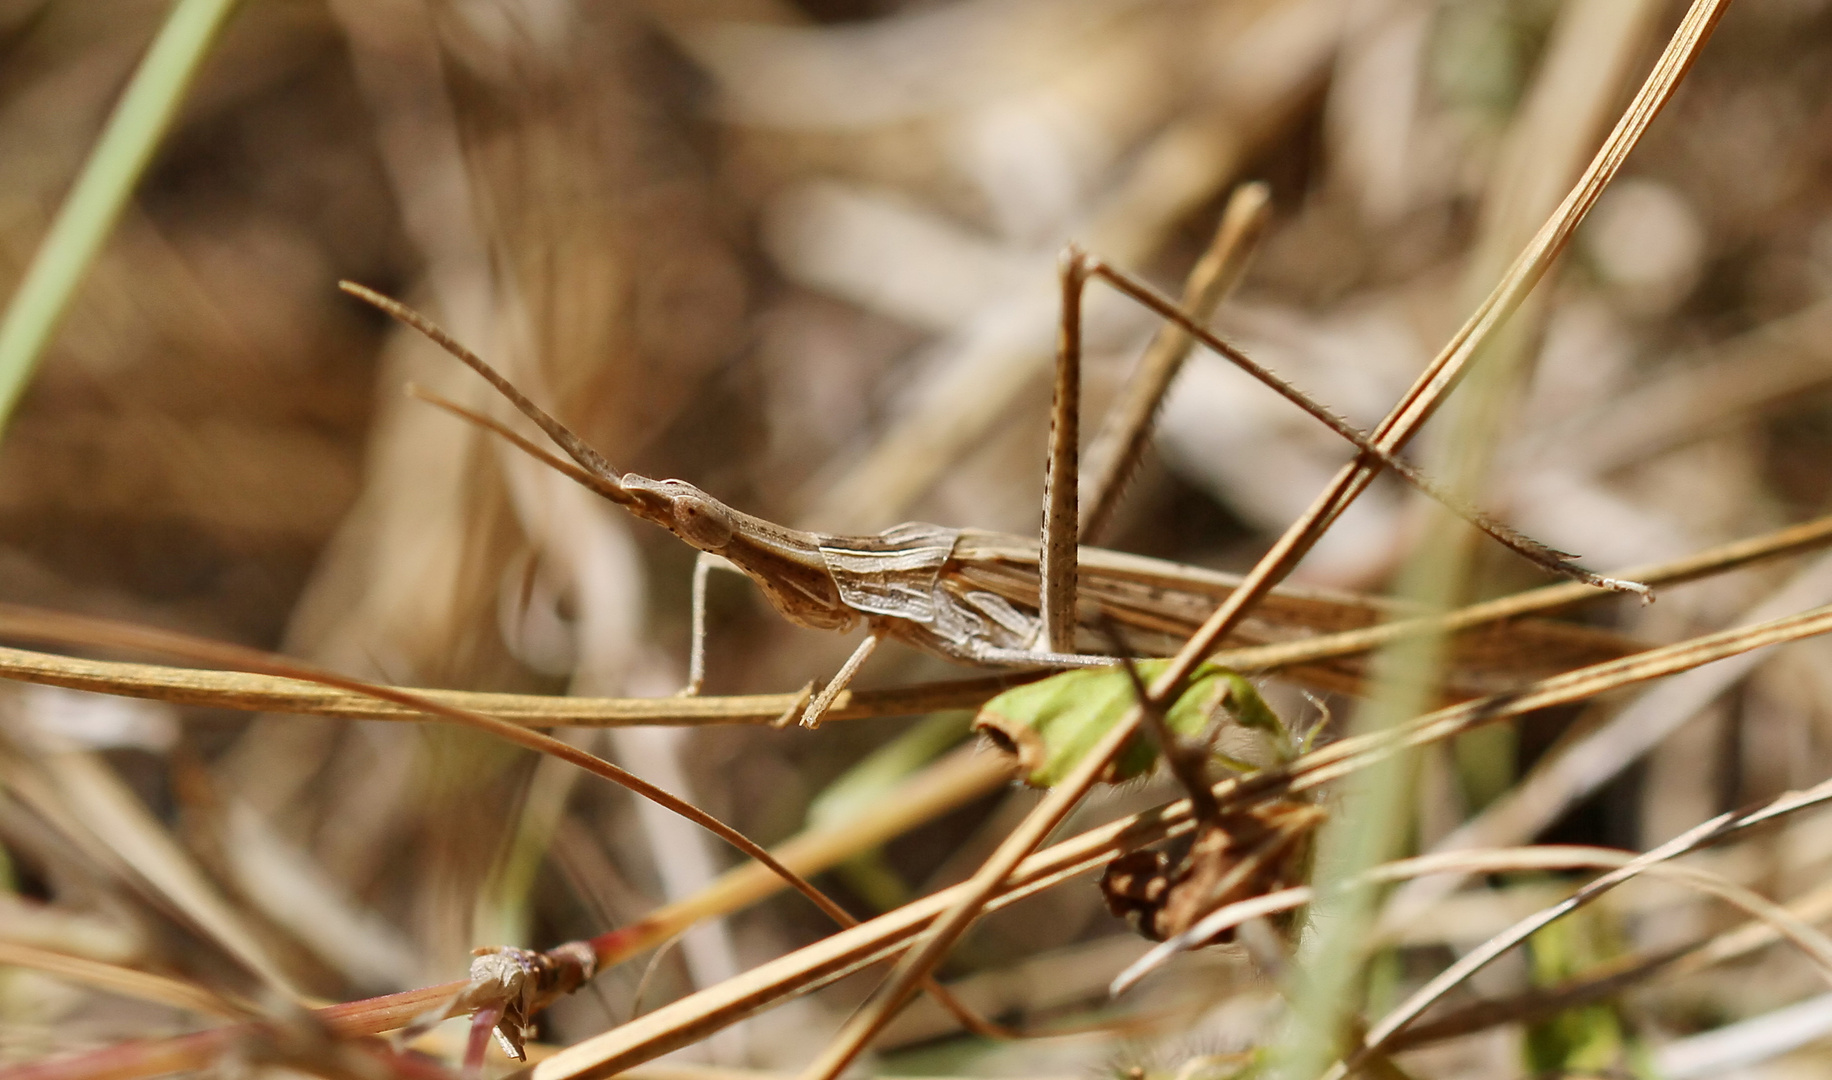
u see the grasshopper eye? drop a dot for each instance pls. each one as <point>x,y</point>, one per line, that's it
<point>702,522</point>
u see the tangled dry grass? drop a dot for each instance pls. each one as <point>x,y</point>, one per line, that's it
<point>804,255</point>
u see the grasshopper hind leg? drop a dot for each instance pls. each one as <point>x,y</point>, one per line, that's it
<point>1061,529</point>
<point>1069,518</point>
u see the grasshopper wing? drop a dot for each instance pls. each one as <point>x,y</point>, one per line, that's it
<point>1164,602</point>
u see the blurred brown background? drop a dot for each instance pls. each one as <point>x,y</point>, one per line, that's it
<point>802,254</point>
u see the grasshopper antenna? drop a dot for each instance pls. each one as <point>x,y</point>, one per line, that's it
<point>575,447</point>
<point>496,427</point>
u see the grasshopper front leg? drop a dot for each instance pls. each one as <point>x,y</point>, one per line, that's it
<point>704,565</point>
<point>817,703</point>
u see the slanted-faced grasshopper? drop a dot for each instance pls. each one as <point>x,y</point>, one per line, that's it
<point>977,597</point>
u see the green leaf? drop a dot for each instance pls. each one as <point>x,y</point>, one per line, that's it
<point>1051,724</point>
<point>883,769</point>
<point>867,783</point>
<point>114,168</point>
<point>1590,1038</point>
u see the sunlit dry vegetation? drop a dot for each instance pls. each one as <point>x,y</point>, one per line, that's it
<point>278,635</point>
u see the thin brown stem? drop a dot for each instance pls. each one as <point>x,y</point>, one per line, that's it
<point>60,628</point>
<point>259,692</point>
<point>692,1018</point>
<point>1117,448</point>
<point>1705,834</point>
<point>73,630</point>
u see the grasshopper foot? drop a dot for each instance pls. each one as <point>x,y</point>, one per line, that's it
<point>804,698</point>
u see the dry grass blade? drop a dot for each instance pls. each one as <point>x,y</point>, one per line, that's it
<point>975,895</point>
<point>1391,435</point>
<point>1119,445</point>
<point>682,1022</point>
<point>927,795</point>
<point>1709,832</point>
<point>124,981</point>
<point>1730,945</point>
<point>386,1015</point>
<point>101,803</point>
<point>686,1021</point>
<point>1341,758</point>
<point>1735,1048</point>
<point>1615,977</point>
<point>72,630</point>
<point>1428,393</point>
<point>691,1018</point>
<point>1376,814</point>
<point>1572,772</point>
<point>310,1050</point>
<point>1496,861</point>
<point>959,778</point>
<point>956,779</point>
<point>257,692</point>
<point>157,1057</point>
<point>75,630</point>
<point>669,1070</point>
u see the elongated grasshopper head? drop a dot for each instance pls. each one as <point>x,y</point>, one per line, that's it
<point>786,564</point>
<point>684,510</point>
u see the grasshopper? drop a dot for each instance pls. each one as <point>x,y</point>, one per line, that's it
<point>975,597</point>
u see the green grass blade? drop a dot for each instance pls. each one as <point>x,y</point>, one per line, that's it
<point>102,189</point>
